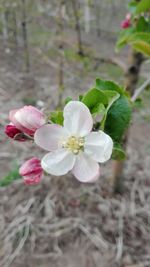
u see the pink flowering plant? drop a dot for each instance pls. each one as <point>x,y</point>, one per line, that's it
<point>86,133</point>
<point>136,27</point>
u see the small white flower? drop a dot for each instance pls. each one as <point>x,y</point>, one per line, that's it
<point>74,147</point>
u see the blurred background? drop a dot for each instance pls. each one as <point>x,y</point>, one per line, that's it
<point>50,50</point>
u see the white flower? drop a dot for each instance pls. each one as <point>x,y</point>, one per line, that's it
<point>74,147</point>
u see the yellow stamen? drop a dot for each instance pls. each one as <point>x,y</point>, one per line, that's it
<point>74,144</point>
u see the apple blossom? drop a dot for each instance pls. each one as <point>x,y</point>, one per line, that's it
<point>31,171</point>
<point>27,119</point>
<point>74,147</point>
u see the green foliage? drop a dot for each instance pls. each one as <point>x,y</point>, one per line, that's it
<point>10,177</point>
<point>112,102</point>
<point>101,98</point>
<point>56,117</point>
<point>118,152</point>
<point>143,25</point>
<point>98,109</point>
<point>142,47</point>
<point>118,118</point>
<point>118,111</point>
<point>132,6</point>
<point>93,97</point>
<point>136,7</point>
<point>67,100</point>
<point>124,37</point>
<point>140,41</point>
<point>109,85</point>
<point>138,103</point>
<point>142,6</point>
<point>137,35</point>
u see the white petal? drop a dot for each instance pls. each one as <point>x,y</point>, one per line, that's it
<point>49,136</point>
<point>58,162</point>
<point>77,119</point>
<point>98,145</point>
<point>86,170</point>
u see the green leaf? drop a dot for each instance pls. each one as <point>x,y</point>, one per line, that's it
<point>132,6</point>
<point>138,103</point>
<point>142,6</point>
<point>140,36</point>
<point>142,25</point>
<point>93,97</point>
<point>67,100</point>
<point>124,37</point>
<point>118,152</point>
<point>10,177</point>
<point>141,42</point>
<point>109,85</point>
<point>112,96</point>
<point>142,47</point>
<point>80,97</point>
<point>118,118</point>
<point>98,109</point>
<point>56,117</point>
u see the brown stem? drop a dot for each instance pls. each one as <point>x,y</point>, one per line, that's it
<point>97,16</point>
<point>131,78</point>
<point>61,59</point>
<point>15,32</point>
<point>25,36</point>
<point>75,7</point>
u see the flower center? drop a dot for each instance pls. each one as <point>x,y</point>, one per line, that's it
<point>74,144</point>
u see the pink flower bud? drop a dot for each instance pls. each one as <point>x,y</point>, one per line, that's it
<point>11,130</point>
<point>27,119</point>
<point>125,24</point>
<point>31,171</point>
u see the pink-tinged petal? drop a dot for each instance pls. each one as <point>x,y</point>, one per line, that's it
<point>27,119</point>
<point>86,170</point>
<point>32,179</point>
<point>17,124</point>
<point>128,16</point>
<point>12,113</point>
<point>31,171</point>
<point>30,117</point>
<point>58,162</point>
<point>98,146</point>
<point>125,24</point>
<point>11,131</point>
<point>49,136</point>
<point>77,119</point>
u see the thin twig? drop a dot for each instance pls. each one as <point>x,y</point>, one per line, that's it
<point>140,90</point>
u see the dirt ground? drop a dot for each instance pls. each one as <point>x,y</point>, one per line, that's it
<point>62,223</point>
